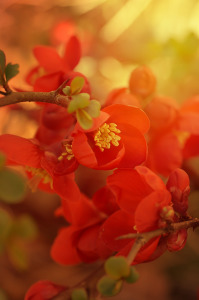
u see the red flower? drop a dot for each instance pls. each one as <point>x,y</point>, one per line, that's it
<point>42,166</point>
<point>145,205</point>
<point>44,290</point>
<point>115,140</point>
<point>53,69</point>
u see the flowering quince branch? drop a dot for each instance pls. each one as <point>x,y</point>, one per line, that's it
<point>142,238</point>
<point>136,216</point>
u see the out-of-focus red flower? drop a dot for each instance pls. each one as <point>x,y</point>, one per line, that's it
<point>40,165</point>
<point>115,140</point>
<point>44,290</point>
<point>122,96</point>
<point>145,205</point>
<point>53,69</point>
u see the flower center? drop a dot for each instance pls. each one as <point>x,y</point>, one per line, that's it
<point>38,175</point>
<point>106,135</point>
<point>68,152</point>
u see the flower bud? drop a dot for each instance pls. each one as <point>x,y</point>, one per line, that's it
<point>133,276</point>
<point>108,286</point>
<point>117,267</point>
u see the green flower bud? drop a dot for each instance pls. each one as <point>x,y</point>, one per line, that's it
<point>79,294</point>
<point>117,267</point>
<point>133,276</point>
<point>108,286</point>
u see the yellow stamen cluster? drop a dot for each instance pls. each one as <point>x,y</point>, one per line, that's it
<point>106,135</point>
<point>38,175</point>
<point>68,153</point>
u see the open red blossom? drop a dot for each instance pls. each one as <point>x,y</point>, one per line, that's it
<point>44,290</point>
<point>40,165</point>
<point>115,140</point>
<point>53,69</point>
<point>146,204</point>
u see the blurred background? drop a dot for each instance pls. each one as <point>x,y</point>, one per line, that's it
<point>116,36</point>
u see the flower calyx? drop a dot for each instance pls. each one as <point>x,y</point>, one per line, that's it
<point>81,104</point>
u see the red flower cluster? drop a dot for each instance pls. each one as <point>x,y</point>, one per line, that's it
<point>146,204</point>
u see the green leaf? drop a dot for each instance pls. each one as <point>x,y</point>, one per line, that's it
<point>12,186</point>
<point>18,254</point>
<point>108,286</point>
<point>76,85</point>
<point>79,294</point>
<point>84,119</point>
<point>11,71</point>
<point>94,108</point>
<point>25,227</point>
<point>3,295</point>
<point>117,267</point>
<point>2,61</point>
<point>78,102</point>
<point>133,276</point>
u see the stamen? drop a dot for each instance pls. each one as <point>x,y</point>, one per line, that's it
<point>38,175</point>
<point>68,153</point>
<point>106,135</point>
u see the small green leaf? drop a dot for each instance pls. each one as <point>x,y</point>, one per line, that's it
<point>117,267</point>
<point>66,90</point>
<point>12,186</point>
<point>84,119</point>
<point>79,294</point>
<point>108,286</point>
<point>76,85</point>
<point>133,276</point>
<point>25,227</point>
<point>11,71</point>
<point>78,102</point>
<point>94,108</point>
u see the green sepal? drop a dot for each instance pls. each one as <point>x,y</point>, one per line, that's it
<point>11,71</point>
<point>2,62</point>
<point>93,108</point>
<point>133,276</point>
<point>108,287</point>
<point>117,267</point>
<point>79,294</point>
<point>12,186</point>
<point>76,85</point>
<point>84,119</point>
<point>78,102</point>
<point>66,90</point>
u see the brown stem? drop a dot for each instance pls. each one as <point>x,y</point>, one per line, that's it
<point>142,238</point>
<point>48,97</point>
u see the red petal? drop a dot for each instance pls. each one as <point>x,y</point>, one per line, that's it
<point>81,213</point>
<point>154,181</point>
<point>191,147</point>
<point>122,96</point>
<point>189,121</point>
<point>48,83</point>
<point>66,187</point>
<point>147,214</point>
<point>131,115</point>
<point>177,240</point>
<point>64,249</point>
<point>118,224</point>
<point>44,290</point>
<point>165,153</point>
<point>105,201</point>
<point>48,58</point>
<point>129,187</point>
<point>72,53</point>
<point>135,146</point>
<point>20,151</point>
